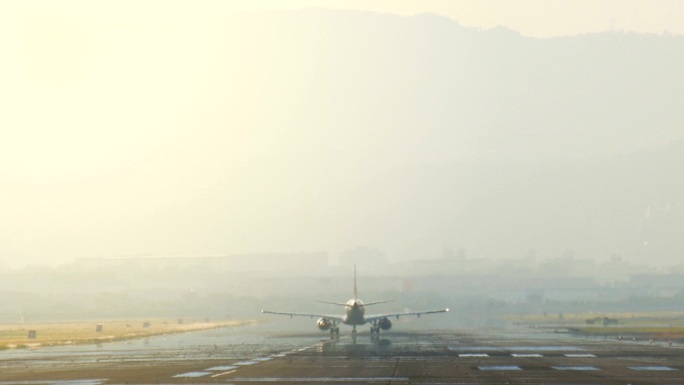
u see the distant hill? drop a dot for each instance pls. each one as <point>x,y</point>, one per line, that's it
<point>426,88</point>
<point>414,133</point>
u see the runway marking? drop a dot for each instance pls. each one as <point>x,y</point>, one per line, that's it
<point>543,348</point>
<point>56,382</point>
<point>219,368</point>
<point>663,368</point>
<point>473,348</point>
<point>473,355</point>
<point>192,374</point>
<point>515,348</point>
<point>579,355</point>
<point>500,367</point>
<point>525,355</point>
<point>322,379</point>
<point>574,368</point>
<point>328,365</point>
<point>223,374</point>
<point>262,359</point>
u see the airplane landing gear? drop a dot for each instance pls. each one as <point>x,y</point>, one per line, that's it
<point>375,330</point>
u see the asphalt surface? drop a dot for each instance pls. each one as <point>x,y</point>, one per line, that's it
<point>270,354</point>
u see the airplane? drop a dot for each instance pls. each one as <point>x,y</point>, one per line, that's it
<point>354,315</point>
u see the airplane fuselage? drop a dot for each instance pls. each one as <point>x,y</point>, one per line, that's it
<point>354,312</point>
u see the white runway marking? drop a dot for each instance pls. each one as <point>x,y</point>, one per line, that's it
<point>515,348</point>
<point>223,374</point>
<point>579,355</point>
<point>473,355</point>
<point>322,379</point>
<point>574,368</point>
<point>525,355</point>
<point>500,367</point>
<point>192,374</point>
<point>56,382</point>
<point>543,348</point>
<point>572,384</point>
<point>220,368</point>
<point>658,368</point>
<point>474,348</point>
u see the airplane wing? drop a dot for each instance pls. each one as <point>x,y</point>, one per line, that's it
<point>373,318</point>
<point>330,317</point>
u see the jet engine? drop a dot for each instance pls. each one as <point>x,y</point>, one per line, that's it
<point>385,324</point>
<point>324,324</point>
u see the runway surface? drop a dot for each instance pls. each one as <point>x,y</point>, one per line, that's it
<point>269,354</point>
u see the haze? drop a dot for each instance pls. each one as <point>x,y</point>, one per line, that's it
<point>412,128</point>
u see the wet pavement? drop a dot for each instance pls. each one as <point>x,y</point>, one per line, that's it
<point>269,353</point>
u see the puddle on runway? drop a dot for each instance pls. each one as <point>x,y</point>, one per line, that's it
<point>500,367</point>
<point>657,368</point>
<point>192,374</point>
<point>245,363</point>
<point>574,368</point>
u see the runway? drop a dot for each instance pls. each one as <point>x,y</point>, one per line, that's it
<point>269,354</point>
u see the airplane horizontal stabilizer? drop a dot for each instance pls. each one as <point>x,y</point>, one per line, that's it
<point>333,303</point>
<point>377,302</point>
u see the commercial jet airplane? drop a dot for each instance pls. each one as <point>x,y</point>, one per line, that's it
<point>354,315</point>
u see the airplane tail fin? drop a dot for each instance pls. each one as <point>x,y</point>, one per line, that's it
<point>356,296</point>
<point>355,292</point>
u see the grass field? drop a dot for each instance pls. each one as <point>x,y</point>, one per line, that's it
<point>16,336</point>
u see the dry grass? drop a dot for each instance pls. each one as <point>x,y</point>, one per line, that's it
<point>14,336</point>
<point>664,319</point>
<point>679,331</point>
<point>646,324</point>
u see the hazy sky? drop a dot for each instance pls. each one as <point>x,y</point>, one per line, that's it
<point>99,100</point>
